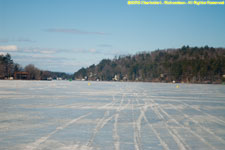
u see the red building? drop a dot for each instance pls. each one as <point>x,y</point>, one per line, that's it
<point>21,75</point>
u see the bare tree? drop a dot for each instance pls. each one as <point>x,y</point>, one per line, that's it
<point>33,72</point>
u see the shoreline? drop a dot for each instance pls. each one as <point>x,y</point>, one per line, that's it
<point>213,83</point>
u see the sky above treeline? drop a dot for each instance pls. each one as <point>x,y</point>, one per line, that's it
<point>65,35</point>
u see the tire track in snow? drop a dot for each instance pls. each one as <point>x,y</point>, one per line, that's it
<point>163,143</point>
<point>187,128</point>
<point>101,123</point>
<point>200,126</point>
<point>176,138</point>
<point>143,111</point>
<point>109,104</point>
<point>45,138</point>
<point>115,127</point>
<point>177,99</point>
<point>136,127</point>
<point>115,133</point>
<point>219,121</point>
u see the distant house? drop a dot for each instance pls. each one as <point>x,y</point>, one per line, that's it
<point>49,78</point>
<point>115,78</point>
<point>21,75</point>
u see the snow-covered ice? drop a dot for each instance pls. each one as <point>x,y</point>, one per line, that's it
<point>63,115</point>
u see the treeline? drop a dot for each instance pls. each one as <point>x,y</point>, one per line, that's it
<point>8,69</point>
<point>186,64</point>
<point>7,66</point>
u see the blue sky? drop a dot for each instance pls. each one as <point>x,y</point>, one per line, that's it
<point>65,35</point>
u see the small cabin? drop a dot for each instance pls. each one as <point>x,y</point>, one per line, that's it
<point>21,75</point>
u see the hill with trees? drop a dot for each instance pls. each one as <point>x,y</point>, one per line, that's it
<point>186,64</point>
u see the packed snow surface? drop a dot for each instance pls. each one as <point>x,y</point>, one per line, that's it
<point>63,115</point>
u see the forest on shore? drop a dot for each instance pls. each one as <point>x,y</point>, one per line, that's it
<point>8,69</point>
<point>185,64</point>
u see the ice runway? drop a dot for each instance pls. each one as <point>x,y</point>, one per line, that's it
<point>63,115</point>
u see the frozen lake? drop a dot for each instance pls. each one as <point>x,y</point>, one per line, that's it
<point>63,115</point>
